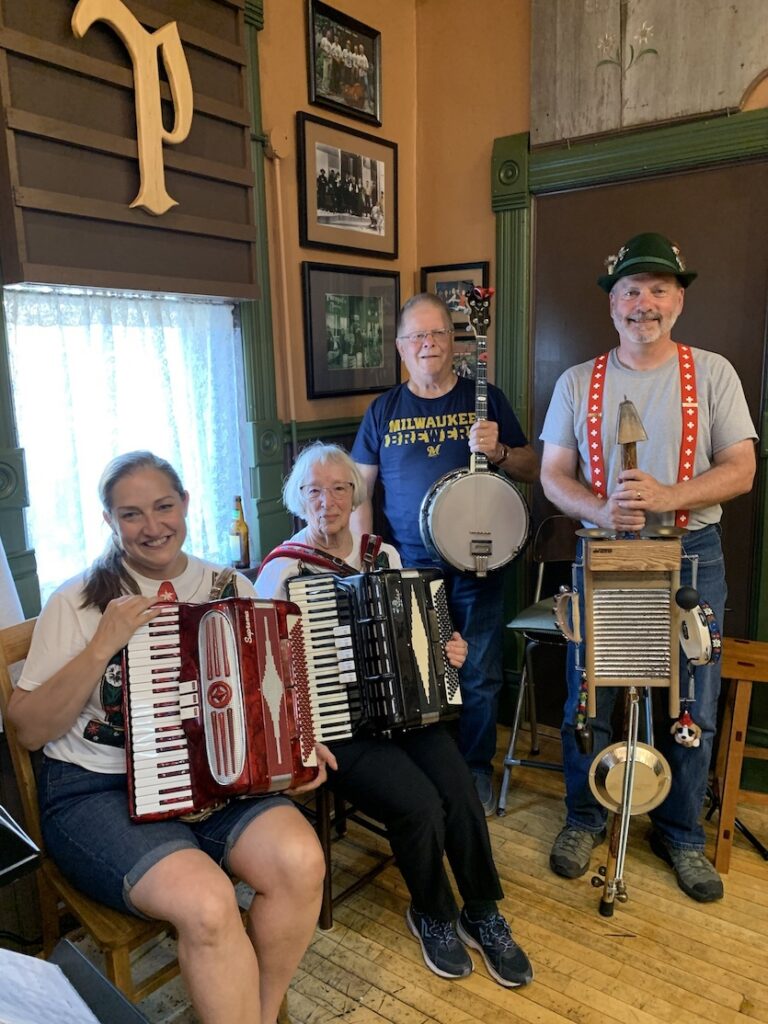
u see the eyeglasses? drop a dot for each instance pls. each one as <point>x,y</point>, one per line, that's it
<point>419,337</point>
<point>337,491</point>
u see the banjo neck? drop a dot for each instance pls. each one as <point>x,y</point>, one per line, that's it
<point>479,319</point>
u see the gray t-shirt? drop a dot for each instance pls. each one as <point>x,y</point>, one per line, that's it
<point>724,420</point>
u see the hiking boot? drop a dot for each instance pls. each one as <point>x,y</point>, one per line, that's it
<point>695,875</point>
<point>506,962</point>
<point>440,946</point>
<point>484,787</point>
<point>572,850</point>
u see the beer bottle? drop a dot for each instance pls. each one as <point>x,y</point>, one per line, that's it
<point>239,550</point>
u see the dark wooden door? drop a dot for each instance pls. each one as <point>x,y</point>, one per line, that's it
<point>718,218</point>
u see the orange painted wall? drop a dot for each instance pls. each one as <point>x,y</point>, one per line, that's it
<point>454,77</point>
<point>473,86</point>
<point>283,60</point>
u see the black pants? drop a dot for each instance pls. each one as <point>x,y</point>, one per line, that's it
<point>420,788</point>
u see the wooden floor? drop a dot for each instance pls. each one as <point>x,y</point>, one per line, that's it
<point>661,957</point>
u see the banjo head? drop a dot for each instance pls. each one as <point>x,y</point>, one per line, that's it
<point>465,507</point>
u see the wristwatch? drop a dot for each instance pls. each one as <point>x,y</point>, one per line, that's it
<point>502,457</point>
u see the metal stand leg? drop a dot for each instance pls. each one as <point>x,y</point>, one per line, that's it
<point>527,689</point>
<point>714,805</point>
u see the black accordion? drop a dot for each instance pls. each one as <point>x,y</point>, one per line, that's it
<point>375,644</point>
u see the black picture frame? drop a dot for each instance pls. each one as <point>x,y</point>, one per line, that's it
<point>449,281</point>
<point>344,75</point>
<point>350,315</point>
<point>347,188</point>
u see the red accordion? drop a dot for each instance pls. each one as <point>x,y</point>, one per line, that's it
<point>217,705</point>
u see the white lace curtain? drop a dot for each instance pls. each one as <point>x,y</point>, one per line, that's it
<point>95,375</point>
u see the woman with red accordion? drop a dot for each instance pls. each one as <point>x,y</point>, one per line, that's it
<point>415,782</point>
<point>69,701</point>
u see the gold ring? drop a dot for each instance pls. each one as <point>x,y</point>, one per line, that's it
<point>639,496</point>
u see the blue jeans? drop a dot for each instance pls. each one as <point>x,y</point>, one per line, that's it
<point>90,836</point>
<point>677,818</point>
<point>477,610</point>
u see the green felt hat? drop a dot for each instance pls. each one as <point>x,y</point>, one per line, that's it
<point>648,253</point>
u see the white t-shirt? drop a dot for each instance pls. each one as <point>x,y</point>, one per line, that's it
<point>272,579</point>
<point>97,739</point>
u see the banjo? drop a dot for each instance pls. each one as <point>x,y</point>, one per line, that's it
<point>474,519</point>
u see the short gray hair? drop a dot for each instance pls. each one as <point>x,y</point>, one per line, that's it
<point>320,453</point>
<point>423,299</point>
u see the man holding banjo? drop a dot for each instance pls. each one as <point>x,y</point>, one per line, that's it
<point>417,438</point>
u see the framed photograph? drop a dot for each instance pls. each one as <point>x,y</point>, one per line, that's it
<point>344,63</point>
<point>453,282</point>
<point>349,329</point>
<point>465,357</point>
<point>347,189</point>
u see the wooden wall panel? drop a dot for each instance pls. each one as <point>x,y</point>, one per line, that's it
<point>602,66</point>
<point>68,155</point>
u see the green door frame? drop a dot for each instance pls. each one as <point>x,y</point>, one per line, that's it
<point>519,174</point>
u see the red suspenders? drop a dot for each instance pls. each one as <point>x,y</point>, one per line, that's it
<point>690,424</point>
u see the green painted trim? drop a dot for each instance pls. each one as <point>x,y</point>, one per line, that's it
<point>270,524</point>
<point>254,14</point>
<point>8,435</point>
<point>14,495</point>
<point>509,173</point>
<point>327,429</point>
<point>512,345</point>
<point>256,316</point>
<point>641,153</point>
<point>637,154</point>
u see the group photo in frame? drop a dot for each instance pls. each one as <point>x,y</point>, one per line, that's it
<point>350,316</point>
<point>453,282</point>
<point>347,188</point>
<point>343,63</point>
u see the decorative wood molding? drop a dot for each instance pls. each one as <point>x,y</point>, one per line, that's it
<point>509,173</point>
<point>643,153</point>
<point>271,524</point>
<point>309,430</point>
<point>254,14</point>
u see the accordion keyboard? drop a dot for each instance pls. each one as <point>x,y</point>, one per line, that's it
<point>329,655</point>
<point>159,747</point>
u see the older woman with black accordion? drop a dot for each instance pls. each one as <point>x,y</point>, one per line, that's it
<point>415,781</point>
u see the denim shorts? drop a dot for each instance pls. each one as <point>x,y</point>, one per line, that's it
<point>89,835</point>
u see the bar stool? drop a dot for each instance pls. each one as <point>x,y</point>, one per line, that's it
<point>554,550</point>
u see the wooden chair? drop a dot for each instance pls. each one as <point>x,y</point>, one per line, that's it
<point>330,815</point>
<point>744,663</point>
<point>117,935</point>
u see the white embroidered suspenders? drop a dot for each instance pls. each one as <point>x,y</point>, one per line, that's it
<point>690,425</point>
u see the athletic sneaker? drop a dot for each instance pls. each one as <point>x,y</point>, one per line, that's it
<point>506,962</point>
<point>572,850</point>
<point>695,875</point>
<point>440,946</point>
<point>484,787</point>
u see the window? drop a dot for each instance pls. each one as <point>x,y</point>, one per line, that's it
<point>97,374</point>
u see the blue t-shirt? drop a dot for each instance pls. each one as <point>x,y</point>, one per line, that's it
<point>414,441</point>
